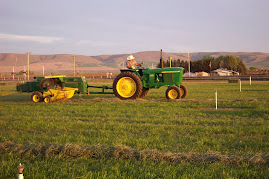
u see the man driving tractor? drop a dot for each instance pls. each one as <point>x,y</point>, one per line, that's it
<point>131,63</point>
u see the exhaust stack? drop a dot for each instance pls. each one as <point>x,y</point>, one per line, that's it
<point>161,59</point>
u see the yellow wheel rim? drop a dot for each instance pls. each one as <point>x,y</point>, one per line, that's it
<point>36,98</point>
<point>126,87</point>
<point>172,94</point>
<point>181,91</point>
<point>46,100</point>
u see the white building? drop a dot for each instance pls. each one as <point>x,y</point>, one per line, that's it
<point>202,73</point>
<point>187,74</point>
<point>224,72</point>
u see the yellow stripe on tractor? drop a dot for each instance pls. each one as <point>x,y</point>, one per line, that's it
<point>171,72</point>
<point>55,76</point>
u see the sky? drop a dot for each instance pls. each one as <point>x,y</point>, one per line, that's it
<point>99,27</point>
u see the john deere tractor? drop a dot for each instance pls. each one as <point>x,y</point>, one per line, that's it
<point>135,83</point>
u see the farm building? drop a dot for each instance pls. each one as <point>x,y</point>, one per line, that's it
<point>223,72</point>
<point>187,74</point>
<point>202,73</point>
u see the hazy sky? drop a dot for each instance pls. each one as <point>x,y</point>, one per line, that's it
<point>94,27</point>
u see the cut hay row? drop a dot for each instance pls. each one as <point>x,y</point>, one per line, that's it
<point>125,152</point>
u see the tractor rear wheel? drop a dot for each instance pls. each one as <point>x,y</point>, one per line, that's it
<point>127,85</point>
<point>183,91</point>
<point>144,92</point>
<point>173,92</point>
<point>37,97</point>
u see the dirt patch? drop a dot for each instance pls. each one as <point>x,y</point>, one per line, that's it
<point>125,152</point>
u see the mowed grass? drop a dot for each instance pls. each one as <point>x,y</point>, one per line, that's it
<point>85,168</point>
<point>239,127</point>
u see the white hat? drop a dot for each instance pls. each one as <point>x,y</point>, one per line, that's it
<point>130,57</point>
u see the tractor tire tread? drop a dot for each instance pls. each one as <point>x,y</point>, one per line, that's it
<point>137,80</point>
<point>175,88</point>
<point>40,95</point>
<point>144,93</point>
<point>185,91</point>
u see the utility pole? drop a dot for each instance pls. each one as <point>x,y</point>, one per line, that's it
<point>189,64</point>
<point>13,72</point>
<point>74,65</point>
<point>15,63</point>
<point>24,72</point>
<point>161,59</point>
<point>43,71</point>
<point>170,61</point>
<point>28,66</point>
<point>210,68</point>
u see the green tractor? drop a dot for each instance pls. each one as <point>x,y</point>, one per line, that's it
<point>135,83</point>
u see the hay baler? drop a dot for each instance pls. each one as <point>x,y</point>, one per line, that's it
<point>52,88</point>
<point>135,83</point>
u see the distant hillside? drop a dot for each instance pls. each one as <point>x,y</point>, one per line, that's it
<point>255,59</point>
<point>59,64</point>
<point>64,63</point>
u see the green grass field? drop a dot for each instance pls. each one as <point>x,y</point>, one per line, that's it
<point>100,136</point>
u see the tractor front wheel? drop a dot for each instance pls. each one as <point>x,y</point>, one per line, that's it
<point>37,97</point>
<point>173,92</point>
<point>127,85</point>
<point>183,91</point>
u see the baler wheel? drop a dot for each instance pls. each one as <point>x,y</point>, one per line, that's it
<point>37,97</point>
<point>183,91</point>
<point>47,99</point>
<point>144,92</point>
<point>127,85</point>
<point>47,83</point>
<point>173,92</point>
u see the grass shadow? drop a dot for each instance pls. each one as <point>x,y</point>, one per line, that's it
<point>16,98</point>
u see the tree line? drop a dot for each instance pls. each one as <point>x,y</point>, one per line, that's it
<point>209,63</point>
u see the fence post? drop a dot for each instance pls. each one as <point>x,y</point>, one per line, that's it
<point>216,98</point>
<point>240,85</point>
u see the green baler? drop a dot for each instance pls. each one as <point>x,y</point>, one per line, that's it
<point>52,88</point>
<point>44,82</point>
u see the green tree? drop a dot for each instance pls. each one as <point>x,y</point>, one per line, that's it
<point>252,68</point>
<point>241,68</point>
<point>229,61</point>
<point>214,64</point>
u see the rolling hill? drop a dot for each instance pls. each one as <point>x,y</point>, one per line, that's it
<point>64,63</point>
